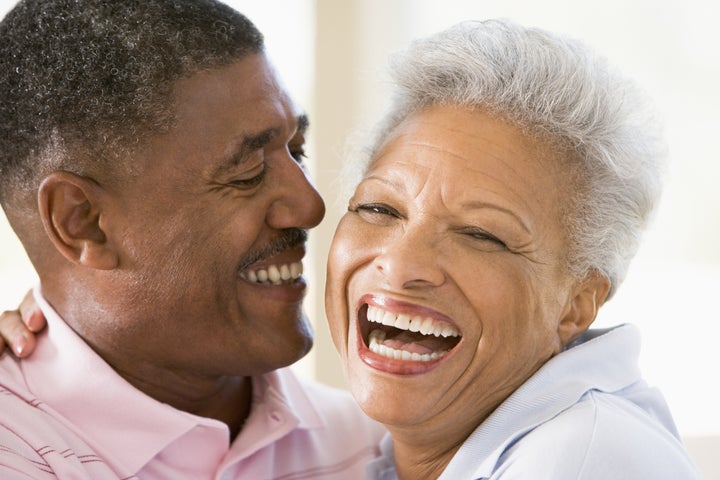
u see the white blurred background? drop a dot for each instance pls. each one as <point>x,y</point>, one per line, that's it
<point>332,55</point>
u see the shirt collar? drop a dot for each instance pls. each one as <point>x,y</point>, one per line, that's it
<point>280,405</point>
<point>600,360</point>
<point>285,391</point>
<point>100,406</point>
<point>603,360</point>
<point>383,467</point>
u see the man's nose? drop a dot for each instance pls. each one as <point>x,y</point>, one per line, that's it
<point>411,260</point>
<point>298,204</point>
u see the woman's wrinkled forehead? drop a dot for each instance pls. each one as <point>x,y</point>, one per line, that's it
<point>446,133</point>
<point>452,160</point>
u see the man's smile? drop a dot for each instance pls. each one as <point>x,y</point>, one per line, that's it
<point>274,274</point>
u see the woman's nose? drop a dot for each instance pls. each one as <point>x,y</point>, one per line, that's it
<point>298,204</point>
<point>411,260</point>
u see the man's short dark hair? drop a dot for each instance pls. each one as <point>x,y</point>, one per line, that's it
<point>94,77</point>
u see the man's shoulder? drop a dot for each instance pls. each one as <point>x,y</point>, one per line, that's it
<point>34,444</point>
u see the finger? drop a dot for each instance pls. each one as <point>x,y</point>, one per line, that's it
<point>31,313</point>
<point>15,333</point>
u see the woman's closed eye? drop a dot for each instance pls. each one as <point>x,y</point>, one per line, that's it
<point>480,235</point>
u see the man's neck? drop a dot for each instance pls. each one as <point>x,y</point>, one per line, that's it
<point>227,399</point>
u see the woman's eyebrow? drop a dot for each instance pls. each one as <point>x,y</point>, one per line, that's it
<point>479,205</point>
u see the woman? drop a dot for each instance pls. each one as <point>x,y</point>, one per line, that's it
<point>497,211</point>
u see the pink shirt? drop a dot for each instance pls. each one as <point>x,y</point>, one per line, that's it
<point>64,413</point>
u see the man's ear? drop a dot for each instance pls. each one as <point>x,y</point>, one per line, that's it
<point>588,295</point>
<point>71,209</point>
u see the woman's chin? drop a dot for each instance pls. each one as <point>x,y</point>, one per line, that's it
<point>391,413</point>
<point>405,401</point>
<point>399,387</point>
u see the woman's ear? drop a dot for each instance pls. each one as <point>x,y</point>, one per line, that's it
<point>71,207</point>
<point>588,295</point>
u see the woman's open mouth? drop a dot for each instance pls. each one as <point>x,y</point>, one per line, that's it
<point>403,338</point>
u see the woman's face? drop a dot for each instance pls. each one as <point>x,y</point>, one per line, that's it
<point>446,287</point>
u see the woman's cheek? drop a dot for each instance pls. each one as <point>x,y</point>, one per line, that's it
<point>338,275</point>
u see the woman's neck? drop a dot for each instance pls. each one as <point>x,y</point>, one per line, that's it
<point>423,452</point>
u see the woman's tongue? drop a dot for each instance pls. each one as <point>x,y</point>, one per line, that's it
<point>415,343</point>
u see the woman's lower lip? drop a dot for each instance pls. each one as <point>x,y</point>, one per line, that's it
<point>397,367</point>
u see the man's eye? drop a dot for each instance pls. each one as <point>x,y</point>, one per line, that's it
<point>249,183</point>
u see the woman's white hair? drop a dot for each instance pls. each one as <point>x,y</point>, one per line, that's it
<point>557,89</point>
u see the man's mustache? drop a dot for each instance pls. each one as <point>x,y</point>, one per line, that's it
<point>288,238</point>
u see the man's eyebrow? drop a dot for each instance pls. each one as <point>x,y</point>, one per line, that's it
<point>255,142</point>
<point>251,143</point>
<point>248,144</point>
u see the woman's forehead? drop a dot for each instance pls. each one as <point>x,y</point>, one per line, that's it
<point>448,141</point>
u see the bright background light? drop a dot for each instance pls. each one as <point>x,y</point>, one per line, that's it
<point>332,55</point>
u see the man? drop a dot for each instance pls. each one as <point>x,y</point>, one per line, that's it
<point>151,165</point>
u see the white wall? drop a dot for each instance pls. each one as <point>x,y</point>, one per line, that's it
<point>16,274</point>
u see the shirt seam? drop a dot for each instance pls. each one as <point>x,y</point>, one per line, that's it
<point>593,434</point>
<point>333,468</point>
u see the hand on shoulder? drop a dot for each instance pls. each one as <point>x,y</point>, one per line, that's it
<point>18,328</point>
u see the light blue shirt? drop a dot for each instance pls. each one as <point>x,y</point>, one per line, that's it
<point>585,415</point>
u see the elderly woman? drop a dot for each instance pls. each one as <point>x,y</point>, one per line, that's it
<point>497,211</point>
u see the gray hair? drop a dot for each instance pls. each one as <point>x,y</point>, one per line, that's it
<point>557,89</point>
<point>96,77</point>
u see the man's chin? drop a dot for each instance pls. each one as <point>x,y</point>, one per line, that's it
<point>290,350</point>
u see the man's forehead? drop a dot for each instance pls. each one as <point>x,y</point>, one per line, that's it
<point>245,93</point>
<point>248,80</point>
<point>260,134</point>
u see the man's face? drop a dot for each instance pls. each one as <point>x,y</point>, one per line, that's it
<point>217,203</point>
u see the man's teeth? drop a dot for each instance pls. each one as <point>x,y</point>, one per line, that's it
<point>376,345</point>
<point>274,274</point>
<point>417,323</point>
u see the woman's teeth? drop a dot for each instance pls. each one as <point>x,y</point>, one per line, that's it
<point>375,345</point>
<point>419,326</point>
<point>274,274</point>
<point>424,325</point>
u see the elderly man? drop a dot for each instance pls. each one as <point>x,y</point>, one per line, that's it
<point>151,165</point>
